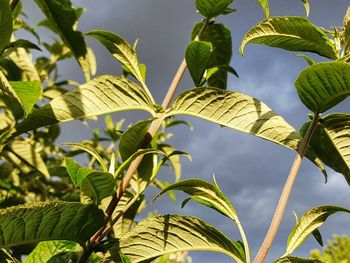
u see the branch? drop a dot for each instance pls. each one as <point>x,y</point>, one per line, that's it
<point>14,4</point>
<point>282,203</point>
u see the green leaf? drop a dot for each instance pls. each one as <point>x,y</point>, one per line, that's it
<point>212,8</point>
<point>197,59</point>
<point>156,236</point>
<point>28,153</point>
<point>140,152</point>
<point>220,38</point>
<point>322,86</point>
<point>291,259</point>
<point>97,186</point>
<point>265,7</point>
<point>291,33</point>
<point>310,221</point>
<point>205,193</point>
<point>53,220</point>
<point>121,50</point>
<point>89,149</point>
<point>77,172</point>
<point>6,24</point>
<point>132,138</point>
<point>309,60</point>
<point>20,43</point>
<point>45,250</point>
<point>237,111</point>
<point>102,95</point>
<point>331,142</point>
<point>63,18</point>
<point>28,93</point>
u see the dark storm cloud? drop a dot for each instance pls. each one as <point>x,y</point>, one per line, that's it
<point>250,171</point>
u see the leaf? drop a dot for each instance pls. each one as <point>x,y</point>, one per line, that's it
<point>45,250</point>
<point>310,221</point>
<point>306,6</point>
<point>55,220</point>
<point>322,86</point>
<point>237,111</point>
<point>6,257</point>
<point>291,259</point>
<point>6,24</point>
<point>24,61</point>
<point>331,142</point>
<point>212,8</point>
<point>291,33</point>
<point>132,139</point>
<point>204,193</point>
<point>220,38</point>
<point>20,43</point>
<point>28,93</point>
<point>309,60</point>
<point>346,31</point>
<point>28,153</point>
<point>104,94</point>
<point>265,7</point>
<point>121,50</point>
<point>76,172</point>
<point>317,235</point>
<point>197,59</point>
<point>97,186</point>
<point>63,18</point>
<point>156,236</point>
<point>89,149</point>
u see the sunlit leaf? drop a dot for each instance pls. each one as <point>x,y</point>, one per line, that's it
<point>265,7</point>
<point>55,220</point>
<point>28,153</point>
<point>104,94</point>
<point>331,142</point>
<point>156,236</point>
<point>291,259</point>
<point>220,38</point>
<point>121,50</point>
<point>238,111</point>
<point>324,85</point>
<point>77,172</point>
<point>45,250</point>
<point>291,33</point>
<point>310,221</point>
<point>306,6</point>
<point>346,28</point>
<point>5,23</point>
<point>63,18</point>
<point>309,60</point>
<point>205,193</point>
<point>91,150</point>
<point>24,61</point>
<point>28,93</point>
<point>197,59</point>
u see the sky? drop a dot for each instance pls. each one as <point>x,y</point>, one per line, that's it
<point>249,170</point>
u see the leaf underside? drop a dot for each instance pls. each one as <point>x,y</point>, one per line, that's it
<point>291,33</point>
<point>161,235</point>
<point>102,95</point>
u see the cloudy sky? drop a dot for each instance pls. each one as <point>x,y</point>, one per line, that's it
<point>250,171</point>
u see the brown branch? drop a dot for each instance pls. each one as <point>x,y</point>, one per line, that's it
<point>282,203</point>
<point>14,4</point>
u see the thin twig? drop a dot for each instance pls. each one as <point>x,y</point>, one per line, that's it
<point>14,4</point>
<point>282,203</point>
